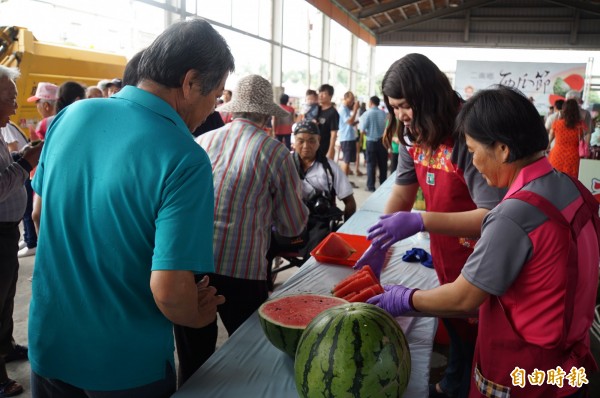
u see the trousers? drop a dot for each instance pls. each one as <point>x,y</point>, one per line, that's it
<point>9,273</point>
<point>242,298</point>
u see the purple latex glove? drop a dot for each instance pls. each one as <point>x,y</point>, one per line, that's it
<point>396,300</point>
<point>373,257</point>
<point>392,228</point>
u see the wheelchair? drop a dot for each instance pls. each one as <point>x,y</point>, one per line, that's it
<point>296,250</point>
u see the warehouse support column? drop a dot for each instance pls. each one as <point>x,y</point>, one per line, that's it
<point>277,47</point>
<point>325,50</point>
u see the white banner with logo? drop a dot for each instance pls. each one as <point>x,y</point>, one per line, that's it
<point>589,175</point>
<point>544,83</point>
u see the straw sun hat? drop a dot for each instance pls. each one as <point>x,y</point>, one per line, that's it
<point>254,94</point>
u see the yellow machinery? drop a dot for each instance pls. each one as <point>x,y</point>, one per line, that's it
<point>46,62</point>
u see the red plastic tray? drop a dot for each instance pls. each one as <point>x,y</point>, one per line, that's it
<point>358,242</point>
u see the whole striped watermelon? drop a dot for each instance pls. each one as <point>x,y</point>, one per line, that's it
<point>352,350</point>
<point>284,319</point>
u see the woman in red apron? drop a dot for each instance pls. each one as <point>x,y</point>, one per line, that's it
<point>457,198</point>
<point>533,273</point>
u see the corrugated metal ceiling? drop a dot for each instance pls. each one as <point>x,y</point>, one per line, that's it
<point>540,24</point>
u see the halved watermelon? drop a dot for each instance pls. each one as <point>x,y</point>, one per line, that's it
<point>284,319</point>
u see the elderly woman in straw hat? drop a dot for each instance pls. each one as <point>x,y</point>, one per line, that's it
<point>256,188</point>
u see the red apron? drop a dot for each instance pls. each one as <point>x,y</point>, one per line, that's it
<point>500,348</point>
<point>445,190</point>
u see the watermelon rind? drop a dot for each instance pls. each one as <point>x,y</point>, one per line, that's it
<point>353,350</point>
<point>284,336</point>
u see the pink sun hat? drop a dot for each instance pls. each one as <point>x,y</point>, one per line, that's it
<point>45,91</point>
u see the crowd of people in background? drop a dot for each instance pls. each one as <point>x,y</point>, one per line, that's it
<point>174,223</point>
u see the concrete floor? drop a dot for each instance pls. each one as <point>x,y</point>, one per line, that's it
<point>20,370</point>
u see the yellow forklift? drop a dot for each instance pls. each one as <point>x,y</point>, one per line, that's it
<point>54,63</point>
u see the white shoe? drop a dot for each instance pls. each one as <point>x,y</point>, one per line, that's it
<point>26,252</point>
<point>22,244</point>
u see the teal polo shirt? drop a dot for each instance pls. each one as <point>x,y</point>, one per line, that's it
<point>125,191</point>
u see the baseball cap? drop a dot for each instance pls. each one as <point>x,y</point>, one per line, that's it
<point>306,126</point>
<point>115,82</point>
<point>45,91</point>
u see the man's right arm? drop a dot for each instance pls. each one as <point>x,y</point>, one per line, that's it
<point>332,142</point>
<point>182,301</point>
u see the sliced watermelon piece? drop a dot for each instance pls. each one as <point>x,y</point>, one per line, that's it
<point>359,286</point>
<point>351,277</point>
<point>335,247</point>
<point>356,285</point>
<point>366,294</point>
<point>349,296</point>
<point>575,81</point>
<point>284,319</point>
<point>367,268</point>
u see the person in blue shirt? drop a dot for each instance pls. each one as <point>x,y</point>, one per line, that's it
<point>347,130</point>
<point>126,205</point>
<point>373,125</point>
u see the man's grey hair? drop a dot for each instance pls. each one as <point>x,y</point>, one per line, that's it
<point>10,73</point>
<point>573,94</point>
<point>183,46</point>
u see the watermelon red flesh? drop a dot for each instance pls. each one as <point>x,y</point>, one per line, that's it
<point>575,81</point>
<point>356,285</point>
<point>363,284</point>
<point>366,270</point>
<point>284,319</point>
<point>365,294</point>
<point>353,350</point>
<point>335,247</point>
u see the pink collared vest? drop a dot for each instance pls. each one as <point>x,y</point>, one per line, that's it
<point>509,337</point>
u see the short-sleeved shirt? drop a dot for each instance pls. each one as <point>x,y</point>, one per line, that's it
<point>256,186</point>
<point>329,120</point>
<point>130,196</point>
<point>523,257</point>
<point>283,125</point>
<point>43,126</point>
<point>480,192</point>
<point>11,133</point>
<point>346,132</point>
<point>316,177</point>
<point>13,197</point>
<point>373,123</point>
<point>551,119</point>
<point>505,246</point>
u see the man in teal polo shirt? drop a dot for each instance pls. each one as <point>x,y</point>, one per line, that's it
<point>126,203</point>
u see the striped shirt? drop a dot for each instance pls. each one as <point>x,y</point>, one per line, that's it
<point>13,197</point>
<point>257,187</point>
<point>372,123</point>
